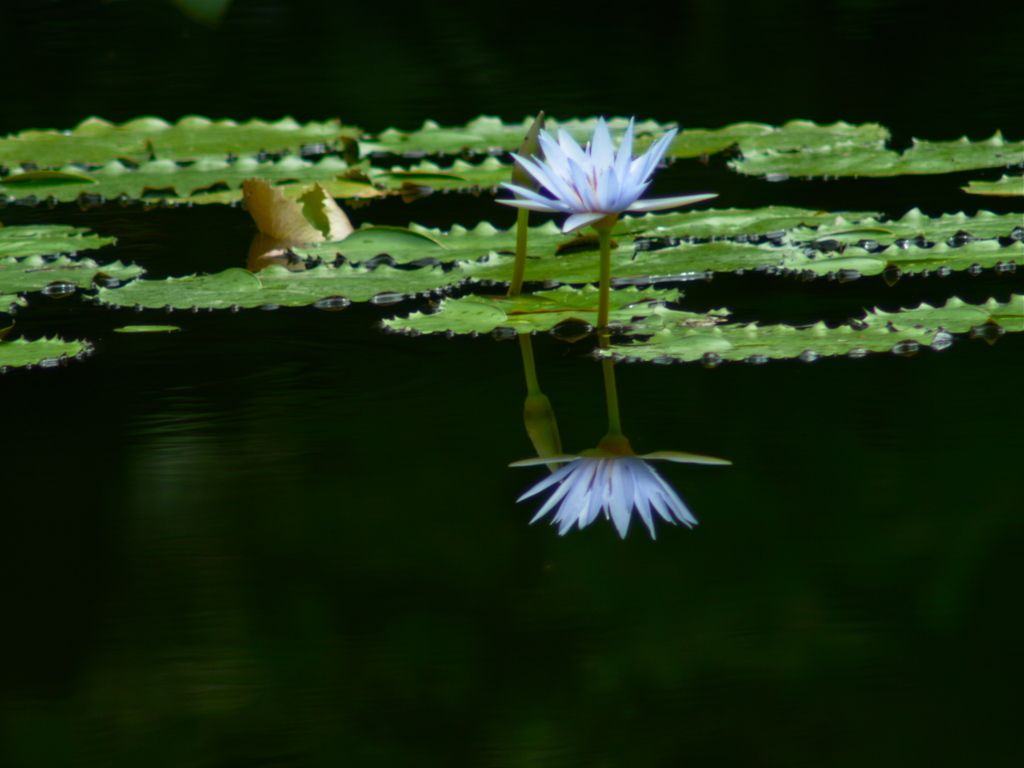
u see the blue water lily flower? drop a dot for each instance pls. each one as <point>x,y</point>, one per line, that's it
<point>613,483</point>
<point>593,183</point>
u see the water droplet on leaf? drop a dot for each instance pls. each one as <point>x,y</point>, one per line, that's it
<point>906,348</point>
<point>387,298</point>
<point>990,332</point>
<point>58,289</point>
<point>332,303</point>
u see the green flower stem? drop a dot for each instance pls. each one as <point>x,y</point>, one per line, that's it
<point>529,367</point>
<point>611,394</point>
<point>519,270</point>
<point>604,233</point>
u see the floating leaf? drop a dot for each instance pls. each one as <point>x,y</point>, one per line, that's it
<point>204,181</point>
<point>547,239</point>
<point>406,245</point>
<point>96,141</point>
<point>147,329</point>
<point>540,311</point>
<point>48,240</point>
<point>45,352</point>
<point>278,286</point>
<point>460,176</point>
<point>34,273</point>
<point>983,253</point>
<point>734,221</point>
<point>9,303</point>
<point>1007,186</point>
<point>854,159</point>
<point>669,336</point>
<point>487,134</point>
<point>951,228</point>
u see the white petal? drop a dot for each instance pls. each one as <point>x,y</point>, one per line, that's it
<point>534,197</point>
<point>660,203</point>
<point>571,149</point>
<point>602,154</point>
<point>552,181</point>
<point>653,156</point>
<point>596,500</point>
<point>679,509</point>
<point>553,154</point>
<point>637,495</point>
<point>546,482</point>
<point>531,206</point>
<point>608,194</point>
<point>543,460</point>
<point>582,187</point>
<point>578,220</point>
<point>553,500</point>
<point>580,486</point>
<point>625,156</point>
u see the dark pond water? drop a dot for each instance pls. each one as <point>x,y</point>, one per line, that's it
<point>288,539</point>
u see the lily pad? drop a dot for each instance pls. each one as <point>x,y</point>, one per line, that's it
<point>547,240</point>
<point>540,311</point>
<point>96,141</point>
<point>63,274</point>
<point>487,135</point>
<point>857,159</point>
<point>669,336</point>
<point>204,181</point>
<point>951,228</point>
<point>147,329</point>
<point>10,302</point>
<point>48,240</point>
<point>45,352</point>
<point>406,245</point>
<point>278,286</point>
<point>981,253</point>
<point>1007,186</point>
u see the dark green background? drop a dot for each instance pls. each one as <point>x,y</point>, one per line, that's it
<point>287,539</point>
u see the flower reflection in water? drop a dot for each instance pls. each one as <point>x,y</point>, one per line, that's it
<point>613,480</point>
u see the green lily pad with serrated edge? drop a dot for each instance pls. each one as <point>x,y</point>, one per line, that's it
<point>276,285</point>
<point>402,244</point>
<point>955,316</point>
<point>460,176</point>
<point>730,222</point>
<point>984,225</point>
<point>96,141</point>
<point>21,352</point>
<point>666,336</point>
<point>33,273</point>
<point>48,240</point>
<point>10,302</point>
<point>461,244</point>
<point>200,182</point>
<point>807,135</point>
<point>681,261</point>
<point>924,157</point>
<point>539,311</point>
<point>984,253</point>
<point>489,134</point>
<point>406,245</point>
<point>1007,186</point>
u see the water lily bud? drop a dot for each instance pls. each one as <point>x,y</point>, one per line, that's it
<point>541,426</point>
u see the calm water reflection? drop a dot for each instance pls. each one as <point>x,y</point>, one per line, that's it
<point>288,539</point>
